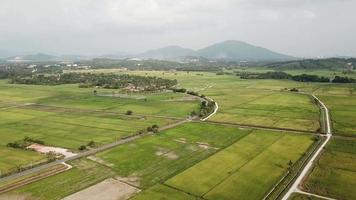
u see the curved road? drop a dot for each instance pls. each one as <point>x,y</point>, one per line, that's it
<point>302,175</point>
<point>215,109</point>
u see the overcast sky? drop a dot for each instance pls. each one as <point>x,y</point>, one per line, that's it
<point>306,28</point>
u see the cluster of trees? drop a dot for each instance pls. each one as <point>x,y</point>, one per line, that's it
<point>90,144</point>
<point>111,81</point>
<point>340,79</point>
<point>206,108</point>
<point>328,63</point>
<point>181,90</point>
<point>153,128</point>
<point>300,78</point>
<point>24,143</point>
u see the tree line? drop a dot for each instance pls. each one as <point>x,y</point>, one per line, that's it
<point>300,78</point>
<point>110,81</point>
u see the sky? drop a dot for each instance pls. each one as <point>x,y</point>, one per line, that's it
<point>303,28</point>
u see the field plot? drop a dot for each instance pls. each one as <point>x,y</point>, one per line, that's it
<point>245,170</point>
<point>12,159</point>
<point>70,96</point>
<point>253,102</point>
<point>83,174</point>
<point>163,192</point>
<point>335,173</point>
<point>69,117</point>
<point>109,189</point>
<point>70,129</point>
<point>297,196</point>
<point>341,101</point>
<point>265,108</point>
<point>153,159</point>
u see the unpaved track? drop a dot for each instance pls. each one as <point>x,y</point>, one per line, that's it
<point>308,166</point>
<point>213,113</point>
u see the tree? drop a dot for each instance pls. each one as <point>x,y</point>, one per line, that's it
<point>91,144</point>
<point>51,156</point>
<point>82,148</point>
<point>95,92</point>
<point>290,163</point>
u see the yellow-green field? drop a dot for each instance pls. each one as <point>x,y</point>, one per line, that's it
<point>334,174</point>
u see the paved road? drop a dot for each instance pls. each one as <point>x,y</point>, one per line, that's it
<point>87,153</point>
<point>308,166</point>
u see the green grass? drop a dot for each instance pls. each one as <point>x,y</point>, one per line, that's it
<point>70,129</point>
<point>162,192</point>
<point>68,116</point>
<point>245,170</point>
<point>252,102</point>
<point>342,105</point>
<point>335,173</point>
<point>83,174</point>
<point>155,158</point>
<point>11,159</point>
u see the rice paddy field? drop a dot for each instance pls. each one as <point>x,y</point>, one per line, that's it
<point>67,116</point>
<point>216,159</point>
<point>252,102</point>
<point>83,174</point>
<point>155,158</point>
<point>334,175</point>
<point>341,100</point>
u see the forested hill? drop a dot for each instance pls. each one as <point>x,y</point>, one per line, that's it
<point>329,63</point>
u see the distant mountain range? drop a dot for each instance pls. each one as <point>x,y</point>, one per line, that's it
<point>230,50</point>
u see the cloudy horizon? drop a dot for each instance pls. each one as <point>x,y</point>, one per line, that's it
<point>302,28</point>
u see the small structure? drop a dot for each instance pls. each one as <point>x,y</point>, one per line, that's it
<point>349,67</point>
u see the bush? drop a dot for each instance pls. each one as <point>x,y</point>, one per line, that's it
<point>294,90</point>
<point>129,112</point>
<point>91,144</point>
<point>193,93</point>
<point>82,148</point>
<point>182,90</point>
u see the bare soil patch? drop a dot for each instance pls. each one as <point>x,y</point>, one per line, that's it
<point>205,145</point>
<point>46,149</point>
<point>167,154</point>
<point>14,197</point>
<point>109,189</point>
<point>181,140</point>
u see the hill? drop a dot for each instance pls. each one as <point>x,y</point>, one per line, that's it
<point>232,50</point>
<point>328,63</point>
<point>167,53</point>
<point>33,57</point>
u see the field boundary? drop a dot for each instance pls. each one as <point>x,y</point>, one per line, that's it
<point>261,127</point>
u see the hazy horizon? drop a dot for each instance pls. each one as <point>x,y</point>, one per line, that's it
<point>301,28</point>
